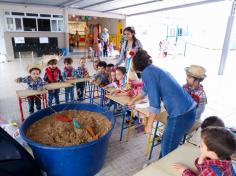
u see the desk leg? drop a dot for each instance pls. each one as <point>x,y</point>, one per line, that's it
<point>153,141</point>
<point>43,99</point>
<point>123,121</point>
<point>21,109</point>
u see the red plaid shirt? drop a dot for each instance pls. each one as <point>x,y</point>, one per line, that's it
<point>205,170</point>
<point>198,94</point>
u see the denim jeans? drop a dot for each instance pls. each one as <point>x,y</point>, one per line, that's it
<point>176,128</point>
<point>69,94</point>
<point>53,94</point>
<point>34,100</point>
<point>80,91</point>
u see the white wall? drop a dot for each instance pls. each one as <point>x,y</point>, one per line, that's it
<point>2,43</point>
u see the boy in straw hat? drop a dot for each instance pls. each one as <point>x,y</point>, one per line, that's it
<point>195,75</point>
<point>52,75</point>
<point>34,82</point>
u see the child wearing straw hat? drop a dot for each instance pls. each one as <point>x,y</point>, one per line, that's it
<point>34,82</point>
<point>52,75</point>
<point>195,75</point>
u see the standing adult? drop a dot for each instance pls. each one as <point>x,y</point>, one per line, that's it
<point>105,41</point>
<point>130,42</point>
<point>161,86</point>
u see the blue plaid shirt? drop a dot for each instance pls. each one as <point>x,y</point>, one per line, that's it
<point>32,85</point>
<point>159,85</point>
<point>81,72</point>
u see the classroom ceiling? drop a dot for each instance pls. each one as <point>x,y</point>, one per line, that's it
<point>124,7</point>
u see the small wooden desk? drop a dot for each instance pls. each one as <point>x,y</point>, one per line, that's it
<point>24,94</point>
<point>79,80</point>
<point>58,85</point>
<point>186,154</point>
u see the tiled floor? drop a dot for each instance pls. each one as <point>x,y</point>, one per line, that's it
<point>127,158</point>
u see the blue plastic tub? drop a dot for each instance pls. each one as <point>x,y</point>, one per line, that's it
<point>81,160</point>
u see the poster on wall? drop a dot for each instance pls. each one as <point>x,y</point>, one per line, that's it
<point>19,40</point>
<point>43,40</point>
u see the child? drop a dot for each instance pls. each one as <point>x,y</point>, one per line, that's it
<point>101,78</point>
<point>52,75</point>
<point>112,76</point>
<point>212,121</point>
<point>81,72</point>
<point>94,71</point>
<point>68,74</point>
<point>110,48</point>
<point>217,146</point>
<point>34,83</point>
<point>195,75</point>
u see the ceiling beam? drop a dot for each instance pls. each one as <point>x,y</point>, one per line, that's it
<point>94,4</point>
<point>70,3</point>
<point>133,5</point>
<point>175,7</point>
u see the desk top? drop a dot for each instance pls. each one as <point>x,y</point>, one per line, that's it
<point>26,93</point>
<point>79,80</point>
<point>121,99</point>
<point>58,85</point>
<point>185,154</point>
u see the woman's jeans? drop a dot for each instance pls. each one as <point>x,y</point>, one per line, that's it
<point>176,128</point>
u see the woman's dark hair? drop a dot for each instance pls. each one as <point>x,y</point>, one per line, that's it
<point>52,62</point>
<point>219,140</point>
<point>141,60</point>
<point>122,70</point>
<point>212,121</point>
<point>68,60</point>
<point>102,64</point>
<point>132,31</point>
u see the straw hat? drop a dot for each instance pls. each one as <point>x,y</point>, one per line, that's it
<point>105,29</point>
<point>48,58</point>
<point>31,66</point>
<point>196,71</point>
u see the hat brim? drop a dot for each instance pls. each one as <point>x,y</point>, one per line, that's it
<point>193,75</point>
<point>28,68</point>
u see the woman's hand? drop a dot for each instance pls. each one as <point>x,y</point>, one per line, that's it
<point>180,167</point>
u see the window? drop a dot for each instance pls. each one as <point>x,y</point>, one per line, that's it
<point>44,25</point>
<point>10,24</point>
<point>45,15</point>
<point>57,16</point>
<point>18,13</point>
<point>18,24</point>
<point>29,24</point>
<point>54,25</point>
<point>32,14</point>
<point>60,25</point>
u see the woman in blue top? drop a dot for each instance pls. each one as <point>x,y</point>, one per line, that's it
<point>160,85</point>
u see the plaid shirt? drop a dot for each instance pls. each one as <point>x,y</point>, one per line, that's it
<point>32,85</point>
<point>81,72</point>
<point>205,169</point>
<point>198,94</point>
<point>65,73</point>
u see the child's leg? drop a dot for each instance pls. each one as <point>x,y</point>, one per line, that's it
<point>37,102</point>
<point>80,91</point>
<point>56,95</point>
<point>31,104</point>
<point>67,91</point>
<point>50,97</point>
<point>72,94</point>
